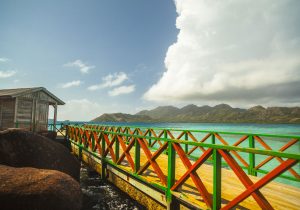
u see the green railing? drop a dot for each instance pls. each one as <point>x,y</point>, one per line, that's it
<point>59,127</point>
<point>243,153</point>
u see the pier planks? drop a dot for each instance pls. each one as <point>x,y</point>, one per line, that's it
<point>281,196</point>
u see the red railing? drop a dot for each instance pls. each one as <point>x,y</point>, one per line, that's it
<point>151,154</point>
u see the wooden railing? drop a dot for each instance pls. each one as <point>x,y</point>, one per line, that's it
<point>59,127</point>
<point>246,154</point>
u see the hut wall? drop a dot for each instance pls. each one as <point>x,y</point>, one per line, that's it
<point>32,112</point>
<point>28,111</point>
<point>24,112</point>
<point>42,116</point>
<point>7,113</point>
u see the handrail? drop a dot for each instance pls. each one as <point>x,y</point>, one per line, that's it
<point>198,131</point>
<point>60,127</point>
<point>104,142</point>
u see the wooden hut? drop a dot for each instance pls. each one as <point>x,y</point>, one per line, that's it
<point>27,108</point>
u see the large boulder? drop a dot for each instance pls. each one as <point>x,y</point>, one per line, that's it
<point>38,189</point>
<point>19,148</point>
<point>49,134</point>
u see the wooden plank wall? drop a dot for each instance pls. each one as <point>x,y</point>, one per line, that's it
<point>42,115</point>
<point>44,97</point>
<point>24,112</point>
<point>31,108</point>
<point>7,111</point>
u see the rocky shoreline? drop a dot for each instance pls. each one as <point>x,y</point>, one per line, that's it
<point>100,195</point>
<point>37,173</point>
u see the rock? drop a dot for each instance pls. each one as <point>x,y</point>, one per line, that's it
<point>49,134</point>
<point>20,148</point>
<point>38,189</point>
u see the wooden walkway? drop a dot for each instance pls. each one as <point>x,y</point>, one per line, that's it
<point>281,196</point>
<point>203,184</point>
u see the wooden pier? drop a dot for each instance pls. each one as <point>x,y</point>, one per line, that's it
<point>160,171</point>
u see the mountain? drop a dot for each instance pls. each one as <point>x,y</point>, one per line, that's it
<point>161,112</point>
<point>120,117</point>
<point>222,113</point>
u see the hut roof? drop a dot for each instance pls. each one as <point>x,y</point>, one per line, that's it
<point>12,93</point>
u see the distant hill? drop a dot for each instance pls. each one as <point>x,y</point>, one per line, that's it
<point>221,113</point>
<point>120,117</point>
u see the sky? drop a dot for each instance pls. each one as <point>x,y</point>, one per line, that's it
<point>107,56</point>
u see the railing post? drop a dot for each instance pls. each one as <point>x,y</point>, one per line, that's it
<point>67,133</point>
<point>166,136</point>
<point>171,174</point>
<point>251,169</point>
<point>186,146</point>
<point>213,138</point>
<point>137,155</point>
<point>150,134</point>
<point>93,140</point>
<point>216,180</point>
<point>117,146</point>
<point>80,145</point>
<point>126,135</point>
<point>103,163</point>
<point>213,141</point>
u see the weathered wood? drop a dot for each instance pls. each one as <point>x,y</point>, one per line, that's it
<point>55,115</point>
<point>27,108</point>
<point>7,116</point>
<point>281,196</point>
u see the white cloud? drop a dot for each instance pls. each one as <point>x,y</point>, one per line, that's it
<point>4,60</point>
<point>72,84</point>
<point>84,68</point>
<point>7,74</point>
<point>110,80</point>
<point>121,90</point>
<point>78,109</point>
<point>234,50</point>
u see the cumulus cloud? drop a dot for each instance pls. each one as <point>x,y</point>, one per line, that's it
<point>232,50</point>
<point>78,109</point>
<point>121,90</point>
<point>7,74</point>
<point>84,68</point>
<point>110,80</point>
<point>4,60</point>
<point>74,83</point>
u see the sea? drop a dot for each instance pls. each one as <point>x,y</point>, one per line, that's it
<point>286,129</point>
<point>292,130</point>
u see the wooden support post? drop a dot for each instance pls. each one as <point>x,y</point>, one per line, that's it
<point>55,116</point>
<point>67,133</point>
<point>117,146</point>
<point>80,152</point>
<point>16,113</point>
<point>213,138</point>
<point>166,137</point>
<point>103,163</point>
<point>93,141</point>
<point>186,146</point>
<point>127,136</point>
<point>150,134</point>
<point>216,180</point>
<point>137,156</point>
<point>33,113</point>
<point>251,168</point>
<point>171,175</point>
<point>213,141</point>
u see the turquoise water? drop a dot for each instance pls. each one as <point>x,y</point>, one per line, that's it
<point>287,129</point>
<point>274,143</point>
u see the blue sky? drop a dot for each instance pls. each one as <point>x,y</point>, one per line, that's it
<point>39,37</point>
<point>125,56</point>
